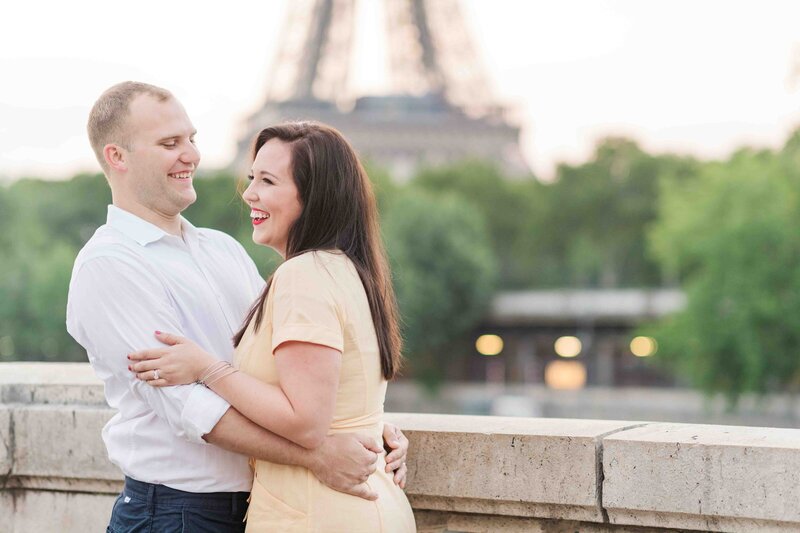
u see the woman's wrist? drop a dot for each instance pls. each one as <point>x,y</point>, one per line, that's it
<point>215,372</point>
<point>202,369</point>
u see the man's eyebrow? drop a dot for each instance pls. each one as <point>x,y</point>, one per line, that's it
<point>177,136</point>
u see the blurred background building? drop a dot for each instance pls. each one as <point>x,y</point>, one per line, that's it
<point>440,108</point>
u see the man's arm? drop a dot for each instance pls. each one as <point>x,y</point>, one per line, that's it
<point>343,462</point>
<point>113,308</point>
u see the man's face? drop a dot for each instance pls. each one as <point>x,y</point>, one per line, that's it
<point>162,156</point>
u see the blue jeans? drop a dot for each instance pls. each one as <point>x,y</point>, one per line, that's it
<point>147,508</point>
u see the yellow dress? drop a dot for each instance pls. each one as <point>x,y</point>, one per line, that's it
<point>318,297</point>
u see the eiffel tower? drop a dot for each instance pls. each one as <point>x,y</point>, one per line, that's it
<point>439,108</point>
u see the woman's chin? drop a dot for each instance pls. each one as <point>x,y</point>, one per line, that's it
<point>261,241</point>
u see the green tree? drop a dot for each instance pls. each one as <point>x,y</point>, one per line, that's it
<point>444,273</point>
<point>43,226</point>
<point>505,205</point>
<point>592,223</point>
<point>383,186</point>
<point>70,210</point>
<point>732,237</point>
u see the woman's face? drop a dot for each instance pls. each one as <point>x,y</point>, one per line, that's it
<point>272,196</point>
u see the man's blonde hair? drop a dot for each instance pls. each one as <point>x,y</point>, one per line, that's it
<point>110,112</point>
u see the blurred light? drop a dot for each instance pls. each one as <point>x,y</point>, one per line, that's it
<point>565,375</point>
<point>489,344</point>
<point>568,346</point>
<point>644,346</point>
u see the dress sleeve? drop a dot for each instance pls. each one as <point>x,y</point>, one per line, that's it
<point>304,308</point>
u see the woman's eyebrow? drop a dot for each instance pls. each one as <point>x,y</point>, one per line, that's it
<point>261,172</point>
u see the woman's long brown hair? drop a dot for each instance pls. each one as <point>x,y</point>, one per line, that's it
<point>339,212</point>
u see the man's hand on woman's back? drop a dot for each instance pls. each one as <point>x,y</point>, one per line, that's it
<point>345,461</point>
<point>396,446</point>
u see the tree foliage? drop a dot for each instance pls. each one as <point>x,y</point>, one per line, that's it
<point>444,274</point>
<point>505,206</point>
<point>731,234</point>
<point>592,222</point>
<point>727,232</point>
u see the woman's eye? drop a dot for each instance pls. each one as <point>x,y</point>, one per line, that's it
<point>249,177</point>
<point>267,180</point>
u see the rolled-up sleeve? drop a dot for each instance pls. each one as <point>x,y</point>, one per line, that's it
<point>201,412</point>
<point>114,308</point>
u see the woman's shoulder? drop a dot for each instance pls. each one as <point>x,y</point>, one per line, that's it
<point>314,262</point>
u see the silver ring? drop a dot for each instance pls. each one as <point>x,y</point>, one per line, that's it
<point>155,374</point>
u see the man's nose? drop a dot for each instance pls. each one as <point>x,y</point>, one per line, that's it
<point>191,154</point>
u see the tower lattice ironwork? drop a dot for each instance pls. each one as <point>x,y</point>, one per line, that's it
<point>439,107</point>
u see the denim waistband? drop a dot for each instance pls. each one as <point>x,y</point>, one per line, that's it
<point>234,502</point>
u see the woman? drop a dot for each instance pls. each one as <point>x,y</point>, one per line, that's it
<point>320,344</point>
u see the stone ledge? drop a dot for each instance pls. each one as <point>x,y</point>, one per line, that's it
<point>466,473</point>
<point>505,466</point>
<point>61,441</point>
<point>718,478</point>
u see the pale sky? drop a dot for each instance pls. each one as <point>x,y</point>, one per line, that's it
<point>700,77</point>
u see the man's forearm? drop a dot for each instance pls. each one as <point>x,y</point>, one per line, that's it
<point>236,433</point>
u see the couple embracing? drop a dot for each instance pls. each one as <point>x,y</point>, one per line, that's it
<point>230,389</point>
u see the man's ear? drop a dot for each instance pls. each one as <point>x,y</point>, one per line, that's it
<point>116,157</point>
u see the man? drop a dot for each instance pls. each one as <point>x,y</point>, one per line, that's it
<point>184,450</point>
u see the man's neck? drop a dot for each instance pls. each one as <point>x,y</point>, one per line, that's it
<point>170,224</point>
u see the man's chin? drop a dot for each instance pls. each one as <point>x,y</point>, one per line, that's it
<point>183,201</point>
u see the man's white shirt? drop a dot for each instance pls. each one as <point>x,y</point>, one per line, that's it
<point>131,279</point>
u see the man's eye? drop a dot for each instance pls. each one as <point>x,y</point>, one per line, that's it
<point>172,144</point>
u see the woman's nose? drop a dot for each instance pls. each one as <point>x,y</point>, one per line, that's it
<point>248,195</point>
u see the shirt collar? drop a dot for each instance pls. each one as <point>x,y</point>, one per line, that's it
<point>140,230</point>
<point>190,234</point>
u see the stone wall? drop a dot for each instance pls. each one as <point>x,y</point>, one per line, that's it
<point>466,473</point>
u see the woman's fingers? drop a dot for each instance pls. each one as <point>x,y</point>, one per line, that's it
<point>169,338</point>
<point>146,376</point>
<point>145,355</point>
<point>150,376</point>
<point>143,366</point>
